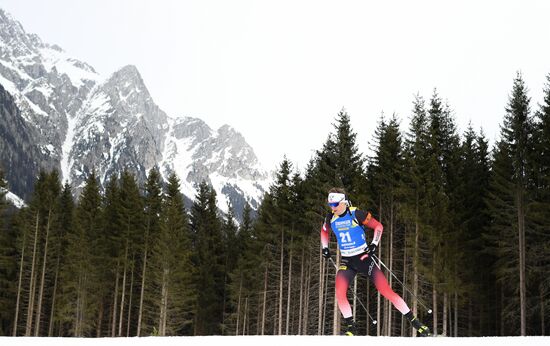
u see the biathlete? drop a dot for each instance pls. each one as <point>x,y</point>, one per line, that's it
<point>357,257</point>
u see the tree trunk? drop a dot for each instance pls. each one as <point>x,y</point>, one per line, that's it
<point>404,280</point>
<point>305,320</point>
<point>239,306</point>
<point>259,315</point>
<point>445,309</point>
<point>470,316</point>
<point>434,303</point>
<point>20,281</point>
<point>541,304</point>
<point>415,266</point>
<point>43,277</point>
<point>115,304</point>
<point>281,272</point>
<point>77,309</point>
<point>32,283</point>
<point>163,302</point>
<point>264,302</point>
<point>100,320</point>
<point>289,287</point>
<point>245,314</point>
<point>130,299</point>
<point>300,307</point>
<point>390,278</point>
<point>54,294</point>
<point>522,284</point>
<point>456,316</point>
<point>121,315</point>
<point>142,292</point>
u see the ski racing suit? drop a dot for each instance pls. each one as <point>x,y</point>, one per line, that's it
<point>353,245</point>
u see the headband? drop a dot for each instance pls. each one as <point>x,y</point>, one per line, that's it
<point>335,197</point>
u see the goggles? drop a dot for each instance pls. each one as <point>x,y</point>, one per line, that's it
<point>334,199</point>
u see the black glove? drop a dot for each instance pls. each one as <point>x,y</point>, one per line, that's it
<point>326,252</point>
<point>371,249</point>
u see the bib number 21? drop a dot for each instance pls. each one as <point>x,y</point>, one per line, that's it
<point>345,237</point>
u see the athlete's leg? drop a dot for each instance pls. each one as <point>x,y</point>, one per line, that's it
<point>369,267</point>
<point>343,278</point>
<point>379,280</point>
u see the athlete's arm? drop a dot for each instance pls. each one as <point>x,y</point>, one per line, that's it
<point>325,233</point>
<point>365,218</point>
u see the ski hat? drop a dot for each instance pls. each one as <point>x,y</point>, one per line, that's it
<point>335,197</point>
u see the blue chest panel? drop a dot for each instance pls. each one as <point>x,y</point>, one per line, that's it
<point>350,235</point>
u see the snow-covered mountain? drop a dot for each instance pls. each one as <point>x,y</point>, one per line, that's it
<point>57,112</point>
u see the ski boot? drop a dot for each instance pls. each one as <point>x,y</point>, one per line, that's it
<point>349,327</point>
<point>420,327</point>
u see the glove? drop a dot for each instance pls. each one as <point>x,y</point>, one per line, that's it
<point>371,249</point>
<point>326,252</point>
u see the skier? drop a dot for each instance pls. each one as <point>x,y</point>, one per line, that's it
<point>357,257</point>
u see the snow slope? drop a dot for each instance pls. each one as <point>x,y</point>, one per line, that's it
<point>279,340</point>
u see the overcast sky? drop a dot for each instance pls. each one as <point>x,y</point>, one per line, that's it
<point>280,71</point>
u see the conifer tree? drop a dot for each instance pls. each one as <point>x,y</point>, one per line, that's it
<point>340,163</point>
<point>509,199</point>
<point>417,190</point>
<point>208,259</point>
<point>108,254</point>
<point>8,263</point>
<point>131,228</point>
<point>79,275</point>
<point>479,284</point>
<point>64,226</point>
<point>171,267</point>
<point>540,212</point>
<point>152,222</point>
<point>232,249</point>
<point>385,174</point>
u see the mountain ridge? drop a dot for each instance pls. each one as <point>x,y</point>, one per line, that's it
<point>70,118</point>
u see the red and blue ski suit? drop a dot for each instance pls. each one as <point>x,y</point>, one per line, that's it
<point>348,228</point>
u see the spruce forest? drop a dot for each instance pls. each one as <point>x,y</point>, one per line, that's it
<point>466,229</point>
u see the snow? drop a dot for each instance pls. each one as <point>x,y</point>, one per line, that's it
<point>66,149</point>
<point>16,201</point>
<point>45,90</point>
<point>20,99</point>
<point>278,340</point>
<point>65,65</point>
<point>177,156</point>
<point>9,86</point>
<point>100,103</point>
<point>47,149</point>
<point>35,108</point>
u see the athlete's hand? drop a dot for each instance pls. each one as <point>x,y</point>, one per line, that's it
<point>371,250</point>
<point>326,252</point>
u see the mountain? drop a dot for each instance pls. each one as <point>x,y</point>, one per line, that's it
<point>57,112</point>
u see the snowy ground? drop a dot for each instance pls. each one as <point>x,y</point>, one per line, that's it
<point>280,341</point>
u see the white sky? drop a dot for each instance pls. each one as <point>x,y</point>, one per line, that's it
<point>280,71</point>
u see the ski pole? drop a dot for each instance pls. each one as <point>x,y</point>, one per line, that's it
<point>360,302</point>
<point>388,269</point>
